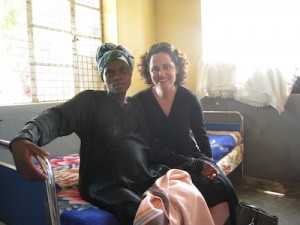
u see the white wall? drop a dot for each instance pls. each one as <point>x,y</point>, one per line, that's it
<point>13,120</point>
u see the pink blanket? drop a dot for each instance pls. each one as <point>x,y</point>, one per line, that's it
<point>173,200</point>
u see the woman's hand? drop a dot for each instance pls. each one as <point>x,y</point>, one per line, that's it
<point>205,168</point>
<point>209,170</point>
<point>22,151</point>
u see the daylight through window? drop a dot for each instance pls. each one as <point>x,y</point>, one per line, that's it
<point>47,49</point>
<point>251,50</point>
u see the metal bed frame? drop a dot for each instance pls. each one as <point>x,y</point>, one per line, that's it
<point>234,118</point>
<point>44,163</point>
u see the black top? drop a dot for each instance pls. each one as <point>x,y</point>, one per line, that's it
<point>174,131</point>
<point>101,124</point>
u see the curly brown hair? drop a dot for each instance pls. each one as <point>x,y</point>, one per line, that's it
<point>179,58</point>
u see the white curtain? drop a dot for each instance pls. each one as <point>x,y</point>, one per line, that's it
<point>251,50</point>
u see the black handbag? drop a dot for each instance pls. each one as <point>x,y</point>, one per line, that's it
<point>247,214</point>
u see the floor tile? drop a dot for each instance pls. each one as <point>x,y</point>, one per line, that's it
<point>286,207</point>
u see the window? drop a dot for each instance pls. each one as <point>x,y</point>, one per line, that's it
<point>251,50</point>
<point>48,49</point>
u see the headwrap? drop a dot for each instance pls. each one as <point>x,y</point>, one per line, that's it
<point>109,52</point>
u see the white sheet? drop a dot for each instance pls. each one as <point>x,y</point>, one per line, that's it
<point>259,88</point>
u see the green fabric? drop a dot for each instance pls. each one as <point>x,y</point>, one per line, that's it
<point>109,52</point>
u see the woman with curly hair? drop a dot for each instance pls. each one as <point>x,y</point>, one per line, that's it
<point>172,112</point>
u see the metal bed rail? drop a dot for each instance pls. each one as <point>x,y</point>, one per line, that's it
<point>237,116</point>
<point>50,185</point>
<point>237,113</point>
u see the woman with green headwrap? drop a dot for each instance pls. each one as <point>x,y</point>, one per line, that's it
<point>114,170</point>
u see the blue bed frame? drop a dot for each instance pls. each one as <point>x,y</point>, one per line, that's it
<point>25,202</point>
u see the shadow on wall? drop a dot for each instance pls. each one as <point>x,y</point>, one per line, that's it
<point>296,87</point>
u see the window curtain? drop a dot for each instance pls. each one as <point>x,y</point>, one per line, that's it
<point>251,50</point>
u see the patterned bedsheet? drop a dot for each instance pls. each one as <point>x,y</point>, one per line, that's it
<point>227,150</point>
<point>73,210</point>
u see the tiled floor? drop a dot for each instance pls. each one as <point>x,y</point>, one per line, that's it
<point>286,207</point>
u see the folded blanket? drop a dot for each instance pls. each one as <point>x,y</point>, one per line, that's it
<point>173,200</point>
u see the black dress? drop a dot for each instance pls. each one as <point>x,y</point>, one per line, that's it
<point>114,170</point>
<point>174,132</point>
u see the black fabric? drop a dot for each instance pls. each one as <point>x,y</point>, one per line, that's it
<point>232,202</point>
<point>174,131</point>
<point>29,132</point>
<point>114,170</point>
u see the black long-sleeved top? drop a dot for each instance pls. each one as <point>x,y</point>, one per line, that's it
<point>174,131</point>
